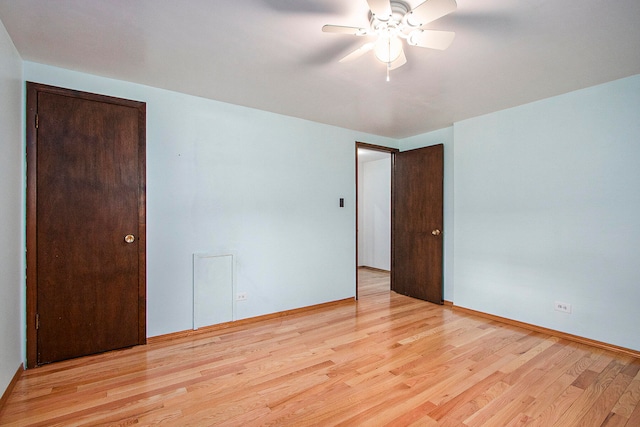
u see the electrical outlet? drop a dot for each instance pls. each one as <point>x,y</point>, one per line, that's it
<point>241,296</point>
<point>562,306</point>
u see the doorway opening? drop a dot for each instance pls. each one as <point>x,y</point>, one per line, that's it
<point>373,222</point>
<point>416,218</point>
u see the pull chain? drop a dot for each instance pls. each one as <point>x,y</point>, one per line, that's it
<point>389,57</point>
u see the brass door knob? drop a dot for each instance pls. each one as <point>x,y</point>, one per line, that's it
<point>436,232</point>
<point>129,238</point>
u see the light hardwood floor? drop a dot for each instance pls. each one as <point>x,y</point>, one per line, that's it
<point>385,360</point>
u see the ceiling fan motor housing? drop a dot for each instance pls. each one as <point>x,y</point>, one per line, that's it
<point>396,22</point>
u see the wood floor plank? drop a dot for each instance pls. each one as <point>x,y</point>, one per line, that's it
<point>386,359</point>
<point>630,398</point>
<point>634,418</point>
<point>603,406</point>
<point>590,395</point>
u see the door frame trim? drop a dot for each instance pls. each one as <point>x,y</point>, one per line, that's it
<point>32,90</point>
<point>392,152</point>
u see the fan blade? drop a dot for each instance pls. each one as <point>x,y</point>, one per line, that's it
<point>431,39</point>
<point>339,29</point>
<point>429,11</point>
<point>398,62</point>
<point>381,9</point>
<point>358,52</point>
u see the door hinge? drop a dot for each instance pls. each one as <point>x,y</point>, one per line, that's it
<point>37,321</point>
<point>37,121</point>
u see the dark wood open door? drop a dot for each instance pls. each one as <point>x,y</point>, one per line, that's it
<point>86,287</point>
<point>416,249</point>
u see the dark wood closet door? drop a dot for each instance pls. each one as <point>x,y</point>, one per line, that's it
<point>416,260</point>
<point>89,224</point>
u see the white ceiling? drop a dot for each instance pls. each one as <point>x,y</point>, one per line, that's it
<point>272,54</point>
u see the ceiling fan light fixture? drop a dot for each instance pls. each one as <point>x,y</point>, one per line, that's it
<point>388,49</point>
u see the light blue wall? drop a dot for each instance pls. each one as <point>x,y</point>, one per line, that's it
<point>442,136</point>
<point>547,208</point>
<point>226,178</point>
<point>11,210</point>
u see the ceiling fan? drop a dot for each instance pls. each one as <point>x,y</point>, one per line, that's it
<point>394,20</point>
